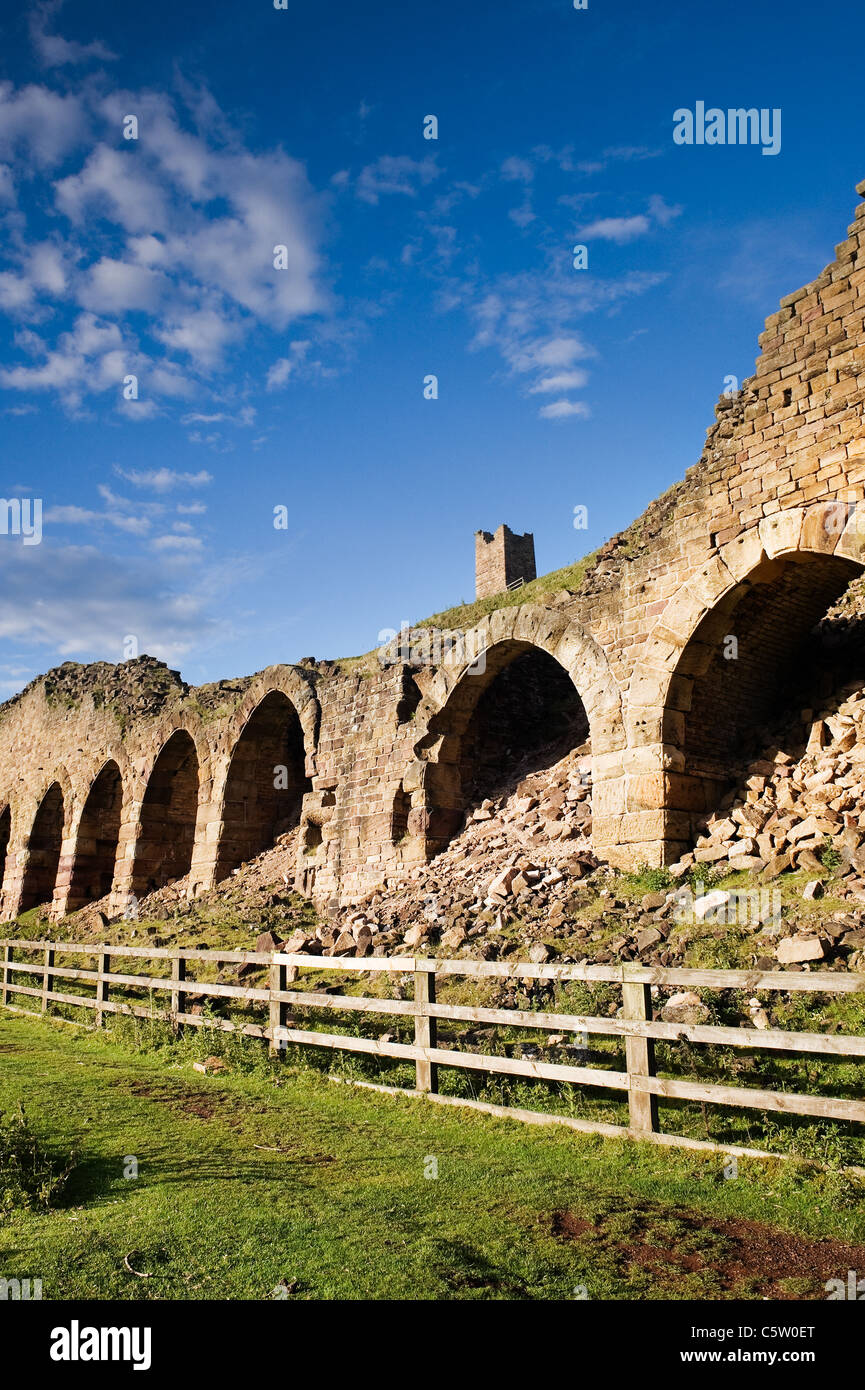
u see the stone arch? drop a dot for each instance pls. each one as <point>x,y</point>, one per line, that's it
<point>524,637</point>
<point>5,837</point>
<point>298,686</point>
<point>169,811</point>
<point>265,782</point>
<point>695,696</point>
<point>96,842</point>
<point>44,845</point>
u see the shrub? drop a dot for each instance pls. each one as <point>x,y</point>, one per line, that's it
<point>646,880</point>
<point>28,1176</point>
<point>830,857</point>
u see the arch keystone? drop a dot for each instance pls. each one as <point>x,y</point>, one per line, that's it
<point>851,543</point>
<point>781,532</point>
<point>743,554</point>
<point>823,526</point>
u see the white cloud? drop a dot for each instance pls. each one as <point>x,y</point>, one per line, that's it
<point>167,380</point>
<point>203,334</point>
<point>517,170</point>
<point>663,213</point>
<point>48,267</point>
<point>285,367</point>
<point>631,152</point>
<point>523,216</point>
<point>279,373</point>
<point>244,419</point>
<point>39,126</point>
<point>564,409</point>
<point>164,479</point>
<point>562,381</point>
<point>138,410</point>
<point>60,371</point>
<point>83,516</point>
<point>178,543</point>
<point>16,292</point>
<point>618,229</point>
<point>80,602</point>
<point>182,228</point>
<point>117,186</point>
<point>54,51</point>
<point>115,287</point>
<point>553,352</point>
<point>395,174</point>
<point>87,358</point>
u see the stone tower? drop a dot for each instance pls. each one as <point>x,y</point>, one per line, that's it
<point>502,561</point>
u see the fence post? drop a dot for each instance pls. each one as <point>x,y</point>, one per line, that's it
<point>277,1011</point>
<point>102,986</point>
<point>640,1057</point>
<point>47,977</point>
<point>7,956</point>
<point>178,998</point>
<point>426,1073</point>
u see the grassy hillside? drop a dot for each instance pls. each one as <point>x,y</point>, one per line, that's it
<point>268,1182</point>
<point>466,615</point>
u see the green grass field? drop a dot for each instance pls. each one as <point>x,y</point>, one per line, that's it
<point>269,1174</point>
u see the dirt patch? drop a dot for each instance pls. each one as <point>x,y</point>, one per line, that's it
<point>204,1107</point>
<point>234,1113</point>
<point>736,1257</point>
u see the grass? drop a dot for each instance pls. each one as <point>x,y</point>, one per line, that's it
<point>28,1174</point>
<point>824,1141</point>
<point>220,920</point>
<point>268,1177</point>
<point>466,615</point>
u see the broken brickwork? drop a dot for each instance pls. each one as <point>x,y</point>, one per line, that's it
<point>126,774</point>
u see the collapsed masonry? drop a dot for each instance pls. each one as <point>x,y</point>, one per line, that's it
<point>671,652</point>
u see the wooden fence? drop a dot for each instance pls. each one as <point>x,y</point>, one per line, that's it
<point>639,1081</point>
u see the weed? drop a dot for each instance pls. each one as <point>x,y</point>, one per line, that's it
<point>28,1175</point>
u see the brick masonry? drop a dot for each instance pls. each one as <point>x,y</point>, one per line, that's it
<point>503,559</point>
<point>760,536</point>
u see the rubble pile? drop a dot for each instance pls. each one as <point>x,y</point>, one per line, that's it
<point>521,874</point>
<point>518,863</point>
<point>803,798</point>
<point>520,878</point>
<point>256,893</point>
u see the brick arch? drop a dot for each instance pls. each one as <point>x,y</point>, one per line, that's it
<point>298,687</point>
<point>41,869</point>
<point>168,814</point>
<point>767,587</point>
<point>264,782</point>
<point>484,653</point>
<point>5,839</point>
<point>96,836</point>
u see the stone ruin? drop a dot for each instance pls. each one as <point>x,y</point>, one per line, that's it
<point>681,640</point>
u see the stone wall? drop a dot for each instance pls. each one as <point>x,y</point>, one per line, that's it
<point>374,764</point>
<point>501,560</point>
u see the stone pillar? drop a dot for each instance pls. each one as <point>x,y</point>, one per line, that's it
<point>208,830</point>
<point>13,878</point>
<point>63,881</point>
<point>127,841</point>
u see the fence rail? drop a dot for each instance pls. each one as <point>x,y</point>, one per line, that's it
<point>634,1024</point>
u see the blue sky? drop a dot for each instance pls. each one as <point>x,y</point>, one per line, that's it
<point>303,387</point>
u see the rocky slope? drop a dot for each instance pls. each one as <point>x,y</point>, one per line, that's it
<point>520,878</point>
